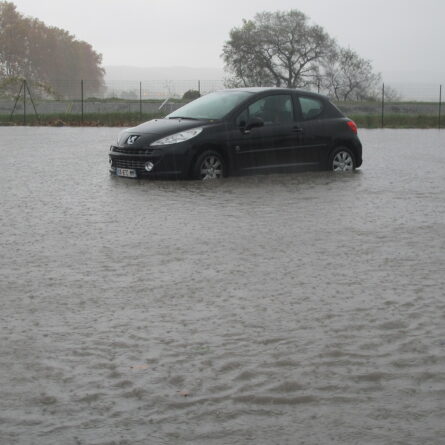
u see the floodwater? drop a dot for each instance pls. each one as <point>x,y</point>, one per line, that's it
<point>283,309</point>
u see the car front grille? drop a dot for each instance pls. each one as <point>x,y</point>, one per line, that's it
<point>128,163</point>
<point>138,151</point>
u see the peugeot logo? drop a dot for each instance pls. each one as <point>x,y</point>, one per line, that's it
<point>132,139</point>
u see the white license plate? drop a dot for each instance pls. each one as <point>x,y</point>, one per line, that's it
<point>127,172</point>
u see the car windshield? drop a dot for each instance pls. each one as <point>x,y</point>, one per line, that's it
<point>211,106</point>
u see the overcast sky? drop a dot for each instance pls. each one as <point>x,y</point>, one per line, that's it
<point>396,35</point>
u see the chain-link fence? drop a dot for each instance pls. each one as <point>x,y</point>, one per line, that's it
<point>128,102</point>
<point>83,101</point>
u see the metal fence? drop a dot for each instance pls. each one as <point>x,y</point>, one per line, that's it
<point>414,105</point>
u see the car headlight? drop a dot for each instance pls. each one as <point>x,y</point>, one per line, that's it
<point>178,137</point>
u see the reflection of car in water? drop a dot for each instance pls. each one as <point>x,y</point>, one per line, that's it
<point>240,131</point>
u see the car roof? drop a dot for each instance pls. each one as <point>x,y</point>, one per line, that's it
<point>256,90</point>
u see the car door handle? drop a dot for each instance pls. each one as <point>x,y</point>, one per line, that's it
<point>297,130</point>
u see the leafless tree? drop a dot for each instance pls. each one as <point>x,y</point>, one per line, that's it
<point>392,95</point>
<point>346,76</point>
<point>276,49</point>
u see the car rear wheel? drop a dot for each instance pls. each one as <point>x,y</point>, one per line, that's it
<point>209,165</point>
<point>342,160</point>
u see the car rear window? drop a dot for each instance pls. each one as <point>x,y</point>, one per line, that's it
<point>311,108</point>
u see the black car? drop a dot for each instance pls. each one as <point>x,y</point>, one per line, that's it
<point>240,131</point>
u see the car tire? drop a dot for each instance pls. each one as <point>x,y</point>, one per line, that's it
<point>209,165</point>
<point>342,159</point>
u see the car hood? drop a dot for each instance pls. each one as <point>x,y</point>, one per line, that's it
<point>157,129</point>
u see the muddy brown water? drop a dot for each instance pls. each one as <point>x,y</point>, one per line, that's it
<point>282,309</point>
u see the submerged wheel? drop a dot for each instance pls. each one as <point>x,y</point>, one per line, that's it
<point>342,160</point>
<point>209,165</point>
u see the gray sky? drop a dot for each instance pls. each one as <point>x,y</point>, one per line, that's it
<point>396,35</point>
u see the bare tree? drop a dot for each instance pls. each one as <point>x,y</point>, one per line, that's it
<point>346,76</point>
<point>392,95</point>
<point>276,49</point>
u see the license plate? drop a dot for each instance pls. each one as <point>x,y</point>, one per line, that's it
<point>127,172</point>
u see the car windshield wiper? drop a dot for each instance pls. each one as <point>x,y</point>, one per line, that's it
<point>185,117</point>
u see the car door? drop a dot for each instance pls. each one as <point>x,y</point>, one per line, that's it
<point>314,134</point>
<point>249,147</point>
<point>272,146</point>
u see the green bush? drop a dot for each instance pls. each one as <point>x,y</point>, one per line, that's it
<point>191,95</point>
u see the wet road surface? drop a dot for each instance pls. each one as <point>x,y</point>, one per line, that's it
<point>283,309</point>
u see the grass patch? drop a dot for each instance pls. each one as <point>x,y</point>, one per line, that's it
<point>129,119</point>
<point>396,121</point>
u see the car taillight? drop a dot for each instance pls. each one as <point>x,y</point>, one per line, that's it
<point>352,126</point>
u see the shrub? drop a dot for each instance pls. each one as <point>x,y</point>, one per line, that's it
<point>191,95</point>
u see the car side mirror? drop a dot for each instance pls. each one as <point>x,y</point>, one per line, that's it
<point>254,122</point>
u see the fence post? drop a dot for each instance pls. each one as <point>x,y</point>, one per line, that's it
<point>32,102</point>
<point>16,102</point>
<point>383,105</point>
<point>140,100</point>
<point>81,101</point>
<point>24,102</point>
<point>440,104</point>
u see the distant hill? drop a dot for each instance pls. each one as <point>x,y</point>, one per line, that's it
<point>134,73</point>
<point>161,82</point>
<point>416,84</point>
<point>414,77</point>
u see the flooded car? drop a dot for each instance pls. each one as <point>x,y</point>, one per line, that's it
<point>240,131</point>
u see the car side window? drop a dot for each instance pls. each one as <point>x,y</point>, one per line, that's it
<point>311,108</point>
<point>243,118</point>
<point>275,109</point>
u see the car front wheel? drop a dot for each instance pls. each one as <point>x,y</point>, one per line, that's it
<point>342,160</point>
<point>209,165</point>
